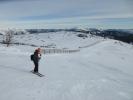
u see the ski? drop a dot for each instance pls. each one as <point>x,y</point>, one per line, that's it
<point>38,74</point>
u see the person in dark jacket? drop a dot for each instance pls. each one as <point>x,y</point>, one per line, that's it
<point>36,58</point>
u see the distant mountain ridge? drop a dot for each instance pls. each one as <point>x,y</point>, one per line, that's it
<point>125,35</point>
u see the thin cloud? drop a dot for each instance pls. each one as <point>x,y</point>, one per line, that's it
<point>63,11</point>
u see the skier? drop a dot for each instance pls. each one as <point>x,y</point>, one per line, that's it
<point>36,58</point>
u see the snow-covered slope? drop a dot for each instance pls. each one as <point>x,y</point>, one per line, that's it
<point>103,71</point>
<point>60,40</point>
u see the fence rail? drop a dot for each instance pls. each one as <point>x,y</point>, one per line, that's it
<point>58,51</point>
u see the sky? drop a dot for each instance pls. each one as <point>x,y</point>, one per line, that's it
<point>66,14</point>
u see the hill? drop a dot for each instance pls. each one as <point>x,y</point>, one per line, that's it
<point>101,70</point>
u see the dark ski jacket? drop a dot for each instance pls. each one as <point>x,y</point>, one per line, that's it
<point>36,56</point>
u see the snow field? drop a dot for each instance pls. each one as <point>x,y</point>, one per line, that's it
<point>100,72</point>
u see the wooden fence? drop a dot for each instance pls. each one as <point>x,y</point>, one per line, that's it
<point>58,51</point>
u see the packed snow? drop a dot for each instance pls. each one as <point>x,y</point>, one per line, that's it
<point>101,71</point>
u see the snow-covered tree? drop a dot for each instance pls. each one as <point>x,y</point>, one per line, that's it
<point>8,37</point>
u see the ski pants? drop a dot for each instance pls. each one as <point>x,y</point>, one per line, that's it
<point>36,66</point>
